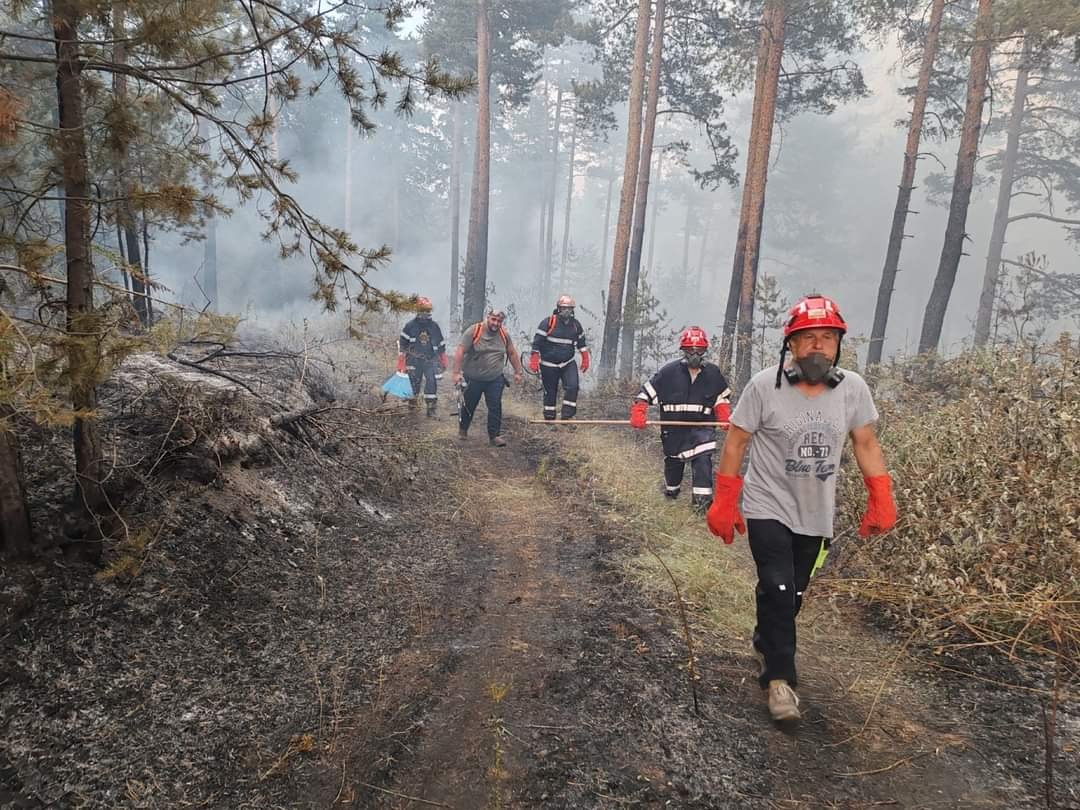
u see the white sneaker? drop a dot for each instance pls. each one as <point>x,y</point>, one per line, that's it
<point>783,702</point>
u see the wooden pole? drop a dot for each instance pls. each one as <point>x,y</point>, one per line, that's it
<point>624,422</point>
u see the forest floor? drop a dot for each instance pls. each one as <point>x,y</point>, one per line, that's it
<point>388,617</point>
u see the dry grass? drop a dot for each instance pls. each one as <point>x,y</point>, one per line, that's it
<point>623,477</point>
<point>985,453</point>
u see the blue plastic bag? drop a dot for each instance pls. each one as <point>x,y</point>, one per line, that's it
<point>399,385</point>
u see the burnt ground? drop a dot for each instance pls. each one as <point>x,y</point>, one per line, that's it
<point>373,614</point>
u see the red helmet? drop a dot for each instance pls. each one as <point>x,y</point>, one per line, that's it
<point>423,304</point>
<point>814,312</point>
<point>564,301</point>
<point>694,338</point>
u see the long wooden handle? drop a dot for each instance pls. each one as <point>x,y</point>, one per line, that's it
<point>623,422</point>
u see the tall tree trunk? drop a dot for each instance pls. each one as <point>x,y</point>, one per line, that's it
<point>1004,200</point>
<point>146,266</point>
<point>613,315</point>
<point>16,533</point>
<point>123,256</point>
<point>472,308</point>
<point>120,158</point>
<point>907,186</point>
<point>641,197</point>
<point>654,214</point>
<point>210,268</point>
<point>541,245</point>
<point>569,199</point>
<point>953,248</point>
<point>731,306</point>
<point>455,212</point>
<point>772,46</point>
<point>549,246</point>
<point>607,222</point>
<point>82,323</point>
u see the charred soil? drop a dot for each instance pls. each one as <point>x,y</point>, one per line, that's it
<point>371,613</point>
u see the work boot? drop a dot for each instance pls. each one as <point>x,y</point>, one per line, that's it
<point>497,441</point>
<point>430,408</point>
<point>463,433</point>
<point>671,494</point>
<point>700,503</point>
<point>783,702</point>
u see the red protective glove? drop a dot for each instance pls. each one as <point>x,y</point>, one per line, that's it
<point>584,361</point>
<point>534,362</point>
<point>401,362</point>
<point>723,517</point>
<point>443,361</point>
<point>723,415</point>
<point>639,414</point>
<point>880,507</point>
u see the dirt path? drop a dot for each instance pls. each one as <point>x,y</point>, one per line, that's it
<point>545,679</point>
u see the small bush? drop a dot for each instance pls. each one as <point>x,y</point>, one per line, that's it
<point>984,450</point>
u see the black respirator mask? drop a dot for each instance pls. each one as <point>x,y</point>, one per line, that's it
<point>424,315</point>
<point>566,314</point>
<point>694,359</point>
<point>815,368</point>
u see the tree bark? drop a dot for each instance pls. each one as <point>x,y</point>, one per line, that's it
<point>139,297</point>
<point>774,20</point>
<point>210,268</point>
<point>617,282</point>
<point>553,181</point>
<point>1004,200</point>
<point>82,324</point>
<point>16,532</point>
<point>477,241</point>
<point>953,248</point>
<point>455,211</point>
<point>731,306</point>
<point>641,195</point>
<point>654,214</point>
<point>569,200</point>
<point>907,186</point>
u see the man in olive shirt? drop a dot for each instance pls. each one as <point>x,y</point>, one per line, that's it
<point>480,359</point>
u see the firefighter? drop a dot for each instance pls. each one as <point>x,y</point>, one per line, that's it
<point>479,361</point>
<point>553,357</point>
<point>794,417</point>
<point>687,390</point>
<point>422,353</point>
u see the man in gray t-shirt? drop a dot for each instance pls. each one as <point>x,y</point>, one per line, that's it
<point>795,418</point>
<point>478,365</point>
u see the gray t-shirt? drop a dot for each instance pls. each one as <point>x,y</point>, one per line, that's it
<point>484,361</point>
<point>796,446</point>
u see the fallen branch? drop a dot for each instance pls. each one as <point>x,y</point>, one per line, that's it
<point>172,356</point>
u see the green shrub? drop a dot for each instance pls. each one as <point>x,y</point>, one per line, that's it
<point>984,450</point>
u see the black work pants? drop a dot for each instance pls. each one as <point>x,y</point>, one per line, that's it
<point>491,391</point>
<point>701,468</point>
<point>551,376</point>
<point>785,561</point>
<point>422,370</point>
